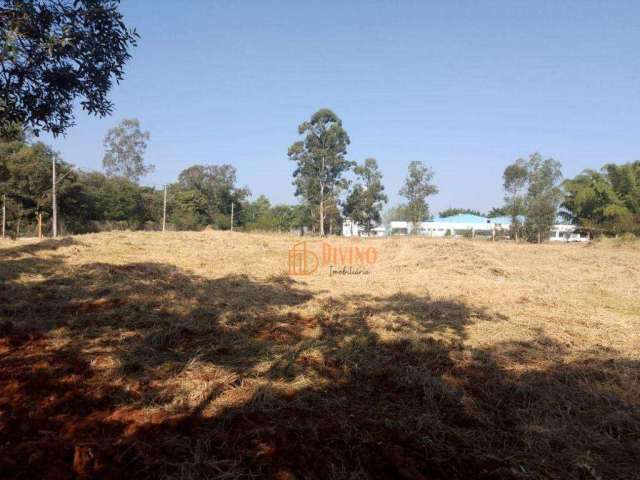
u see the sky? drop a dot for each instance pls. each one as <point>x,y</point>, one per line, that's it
<point>466,87</point>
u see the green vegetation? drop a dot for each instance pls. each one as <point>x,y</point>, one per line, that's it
<point>25,181</point>
<point>607,201</point>
<point>532,189</point>
<point>418,186</point>
<point>124,146</point>
<point>450,212</point>
<point>93,201</point>
<point>365,201</point>
<point>57,54</point>
<point>321,164</point>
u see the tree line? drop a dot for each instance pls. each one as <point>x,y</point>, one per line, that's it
<point>203,195</point>
<point>605,202</point>
<point>330,187</point>
<point>90,201</point>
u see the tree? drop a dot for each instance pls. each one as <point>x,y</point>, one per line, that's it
<point>450,212</point>
<point>625,181</point>
<point>515,178</point>
<point>25,179</point>
<point>114,199</point>
<point>333,211</point>
<point>544,194</point>
<point>258,215</point>
<point>55,53</point>
<point>399,213</point>
<point>124,146</point>
<point>365,201</point>
<point>417,188</point>
<point>606,201</point>
<point>498,212</point>
<point>188,208</point>
<point>217,183</point>
<point>288,217</point>
<point>320,159</point>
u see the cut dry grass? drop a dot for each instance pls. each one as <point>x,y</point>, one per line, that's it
<point>195,355</point>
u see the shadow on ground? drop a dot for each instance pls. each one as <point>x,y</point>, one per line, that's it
<point>318,395</point>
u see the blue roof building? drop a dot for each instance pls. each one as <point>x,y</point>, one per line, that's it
<point>462,218</point>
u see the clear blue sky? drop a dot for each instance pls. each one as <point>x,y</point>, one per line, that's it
<point>466,87</point>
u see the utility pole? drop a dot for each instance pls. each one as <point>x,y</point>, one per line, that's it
<point>164,210</point>
<point>4,212</point>
<point>54,204</point>
<point>39,224</point>
<point>232,216</point>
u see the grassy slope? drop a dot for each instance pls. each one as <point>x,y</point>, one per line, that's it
<point>195,355</point>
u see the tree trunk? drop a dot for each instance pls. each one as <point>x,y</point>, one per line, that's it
<point>54,202</point>
<point>322,201</point>
<point>321,211</point>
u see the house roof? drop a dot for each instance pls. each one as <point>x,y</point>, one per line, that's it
<point>461,218</point>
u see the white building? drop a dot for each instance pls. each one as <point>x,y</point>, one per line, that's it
<point>473,225</point>
<point>567,233</point>
<point>353,229</point>
<point>460,225</point>
<point>456,225</point>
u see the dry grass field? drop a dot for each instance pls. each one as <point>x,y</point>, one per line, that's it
<point>196,355</point>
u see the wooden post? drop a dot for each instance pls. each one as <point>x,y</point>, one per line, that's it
<point>54,202</point>
<point>4,213</point>
<point>232,216</point>
<point>39,224</point>
<point>164,210</point>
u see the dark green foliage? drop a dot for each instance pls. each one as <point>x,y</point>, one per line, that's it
<point>320,163</point>
<point>544,195</point>
<point>189,209</point>
<point>116,200</point>
<point>25,179</point>
<point>498,212</point>
<point>260,215</point>
<point>450,212</point>
<point>532,189</point>
<point>54,53</point>
<point>212,191</point>
<point>607,201</point>
<point>364,202</point>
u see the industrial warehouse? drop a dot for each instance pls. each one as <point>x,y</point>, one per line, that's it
<point>462,225</point>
